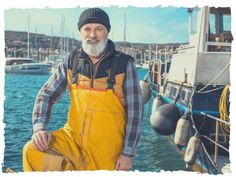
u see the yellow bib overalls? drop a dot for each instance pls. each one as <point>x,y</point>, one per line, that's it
<point>92,138</point>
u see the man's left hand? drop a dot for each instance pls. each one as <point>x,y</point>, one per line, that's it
<point>124,163</point>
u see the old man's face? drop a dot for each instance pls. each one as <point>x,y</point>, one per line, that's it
<point>94,38</point>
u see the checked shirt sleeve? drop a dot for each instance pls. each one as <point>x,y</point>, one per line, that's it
<point>48,95</point>
<point>134,109</point>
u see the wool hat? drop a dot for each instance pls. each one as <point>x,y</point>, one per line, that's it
<point>94,15</point>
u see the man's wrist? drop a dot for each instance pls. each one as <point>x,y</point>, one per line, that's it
<point>128,155</point>
<point>129,151</point>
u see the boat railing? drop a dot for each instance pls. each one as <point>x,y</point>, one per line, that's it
<point>216,142</point>
<point>157,73</point>
<point>215,118</point>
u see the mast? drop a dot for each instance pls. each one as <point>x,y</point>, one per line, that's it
<point>150,53</point>
<point>36,39</point>
<point>28,29</point>
<point>156,51</point>
<point>124,32</point>
<point>51,38</point>
<point>165,60</point>
<point>62,45</point>
<point>36,43</point>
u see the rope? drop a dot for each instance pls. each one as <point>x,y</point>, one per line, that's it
<point>212,90</point>
<point>218,75</point>
<point>223,110</point>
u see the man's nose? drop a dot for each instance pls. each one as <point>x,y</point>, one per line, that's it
<point>92,34</point>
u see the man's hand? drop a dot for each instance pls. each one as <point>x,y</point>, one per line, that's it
<point>124,163</point>
<point>41,140</point>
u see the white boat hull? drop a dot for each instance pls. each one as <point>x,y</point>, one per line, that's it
<point>28,69</point>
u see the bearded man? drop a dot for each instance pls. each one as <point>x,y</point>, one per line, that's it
<point>106,106</point>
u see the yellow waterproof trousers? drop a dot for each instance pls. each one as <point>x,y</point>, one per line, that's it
<point>92,139</point>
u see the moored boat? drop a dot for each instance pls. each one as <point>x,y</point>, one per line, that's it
<point>26,66</point>
<point>191,101</point>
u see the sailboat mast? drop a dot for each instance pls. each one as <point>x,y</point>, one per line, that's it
<point>156,51</point>
<point>124,32</point>
<point>51,38</point>
<point>28,48</point>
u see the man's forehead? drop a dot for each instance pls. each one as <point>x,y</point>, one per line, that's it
<point>93,25</point>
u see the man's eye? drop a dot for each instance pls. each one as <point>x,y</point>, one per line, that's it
<point>99,28</point>
<point>86,29</point>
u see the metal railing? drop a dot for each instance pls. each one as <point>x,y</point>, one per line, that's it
<point>216,142</point>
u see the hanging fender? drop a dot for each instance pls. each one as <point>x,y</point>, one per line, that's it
<point>165,118</point>
<point>192,150</point>
<point>145,90</point>
<point>182,131</point>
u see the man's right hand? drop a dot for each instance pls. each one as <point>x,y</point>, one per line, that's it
<point>41,140</point>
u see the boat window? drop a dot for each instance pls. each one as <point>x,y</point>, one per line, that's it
<point>212,28</point>
<point>26,61</point>
<point>220,28</point>
<point>188,96</point>
<point>220,35</point>
<point>167,91</point>
<point>17,62</point>
<point>194,16</point>
<point>182,95</point>
<point>173,91</point>
<point>227,23</point>
<point>8,62</point>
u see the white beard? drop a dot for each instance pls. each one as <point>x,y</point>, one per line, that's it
<point>94,49</point>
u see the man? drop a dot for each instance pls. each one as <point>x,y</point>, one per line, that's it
<point>106,109</point>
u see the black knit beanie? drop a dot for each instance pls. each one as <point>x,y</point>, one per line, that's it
<point>94,15</point>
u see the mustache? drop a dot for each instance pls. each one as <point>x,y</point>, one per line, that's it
<point>94,48</point>
<point>92,41</point>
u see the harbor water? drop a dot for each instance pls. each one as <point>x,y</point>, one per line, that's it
<point>154,152</point>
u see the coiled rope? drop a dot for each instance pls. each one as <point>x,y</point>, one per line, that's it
<point>224,115</point>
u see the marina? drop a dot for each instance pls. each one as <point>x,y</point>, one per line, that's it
<point>185,87</point>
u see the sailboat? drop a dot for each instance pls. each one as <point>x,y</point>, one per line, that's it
<point>190,105</point>
<point>26,65</point>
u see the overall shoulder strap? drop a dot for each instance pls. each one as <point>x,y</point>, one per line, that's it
<point>76,64</point>
<point>111,81</point>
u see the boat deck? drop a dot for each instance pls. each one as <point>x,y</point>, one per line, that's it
<point>223,164</point>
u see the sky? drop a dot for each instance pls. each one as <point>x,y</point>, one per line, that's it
<point>144,25</point>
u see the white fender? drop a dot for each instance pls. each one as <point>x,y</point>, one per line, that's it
<point>157,102</point>
<point>192,150</point>
<point>145,89</point>
<point>182,132</point>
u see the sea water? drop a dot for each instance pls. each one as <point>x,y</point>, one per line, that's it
<point>154,152</point>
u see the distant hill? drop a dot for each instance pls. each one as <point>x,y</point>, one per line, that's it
<point>42,45</point>
<point>18,39</point>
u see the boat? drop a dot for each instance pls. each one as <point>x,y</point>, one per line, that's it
<point>26,66</point>
<point>190,95</point>
<point>142,66</point>
<point>145,65</point>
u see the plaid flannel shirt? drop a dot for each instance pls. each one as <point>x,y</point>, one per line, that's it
<point>56,85</point>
